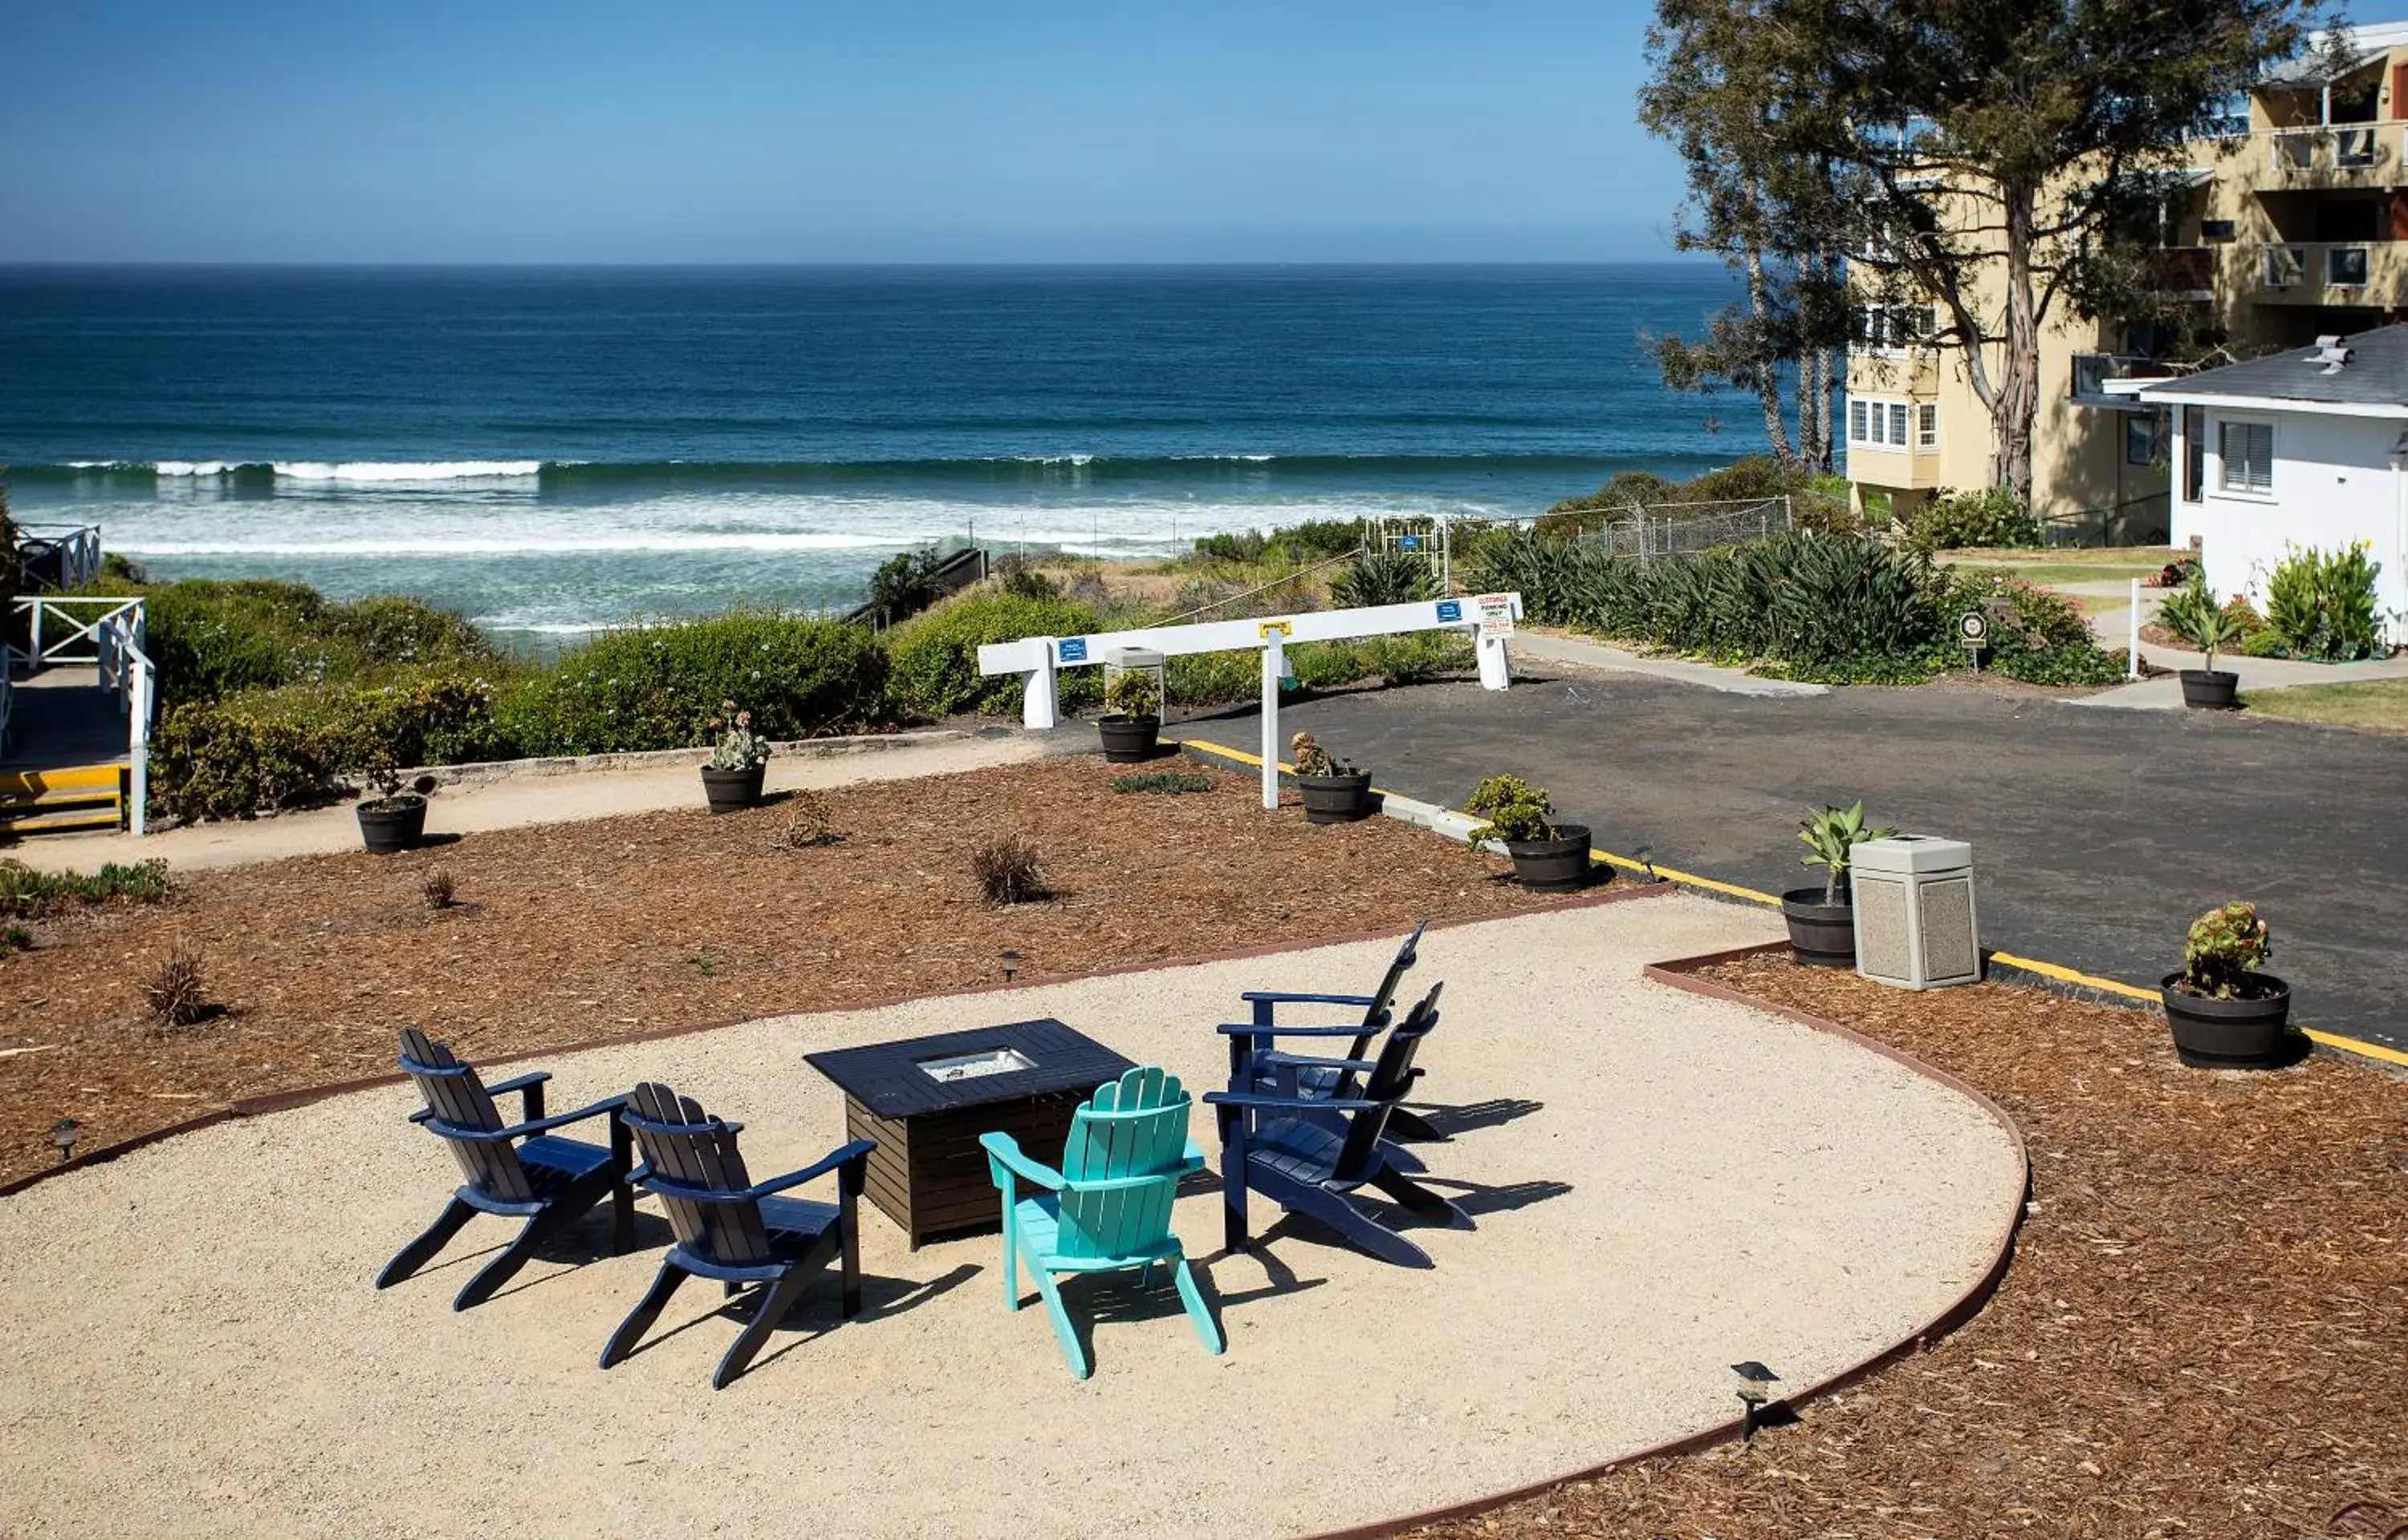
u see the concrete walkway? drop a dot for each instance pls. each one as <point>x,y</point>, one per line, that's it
<point>513,800</point>
<point>1662,1185</point>
<point>1584,652</point>
<point>2114,627</point>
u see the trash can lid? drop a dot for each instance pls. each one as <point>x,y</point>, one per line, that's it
<point>1912,855</point>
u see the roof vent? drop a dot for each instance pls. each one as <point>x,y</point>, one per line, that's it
<point>2332,353</point>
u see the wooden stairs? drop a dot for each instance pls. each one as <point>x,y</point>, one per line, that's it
<point>59,802</point>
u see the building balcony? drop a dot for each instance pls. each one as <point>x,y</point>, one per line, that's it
<point>2092,371</point>
<point>1895,469</point>
<point>2334,155</point>
<point>2361,272</point>
<point>1910,373</point>
<point>2188,270</point>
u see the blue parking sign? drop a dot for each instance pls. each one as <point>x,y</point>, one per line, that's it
<point>1450,609</point>
<point>1073,649</point>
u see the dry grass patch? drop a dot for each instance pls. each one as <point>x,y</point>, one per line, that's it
<point>594,930</point>
<point>2377,705</point>
<point>2204,1330</point>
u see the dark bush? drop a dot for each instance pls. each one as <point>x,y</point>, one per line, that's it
<point>1009,870</point>
<point>1949,521</point>
<point>660,687</point>
<point>934,659</point>
<point>1384,577</point>
<point>175,990</point>
<point>212,761</point>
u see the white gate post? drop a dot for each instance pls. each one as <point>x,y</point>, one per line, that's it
<point>1037,702</point>
<point>1496,666</point>
<point>1274,670</point>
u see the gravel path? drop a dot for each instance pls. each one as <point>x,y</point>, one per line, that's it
<point>189,1345</point>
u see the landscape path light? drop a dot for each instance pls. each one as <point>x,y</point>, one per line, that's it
<point>63,1137</point>
<point>1011,963</point>
<point>1755,1384</point>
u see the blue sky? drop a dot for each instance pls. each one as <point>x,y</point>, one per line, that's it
<point>907,130</point>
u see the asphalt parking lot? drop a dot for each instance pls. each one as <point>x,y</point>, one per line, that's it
<point>2096,835</point>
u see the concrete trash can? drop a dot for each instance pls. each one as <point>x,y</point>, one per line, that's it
<point>1914,899</point>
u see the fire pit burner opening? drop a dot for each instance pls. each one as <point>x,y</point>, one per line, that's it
<point>988,1061</point>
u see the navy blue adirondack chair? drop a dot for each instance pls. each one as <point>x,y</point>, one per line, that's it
<point>1284,1148</point>
<point>734,1229</point>
<point>518,1170</point>
<point>1318,1081</point>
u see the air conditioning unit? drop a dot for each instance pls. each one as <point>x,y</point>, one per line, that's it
<point>1914,896</point>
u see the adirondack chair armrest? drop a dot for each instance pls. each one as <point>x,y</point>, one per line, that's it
<point>857,1150</point>
<point>1235,1028</point>
<point>1005,1151</point>
<point>1287,1104</point>
<point>610,1105</point>
<point>1282,997</point>
<point>528,1086</point>
<point>1307,1061</point>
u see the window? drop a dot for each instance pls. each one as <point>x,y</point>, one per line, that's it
<point>1895,329</point>
<point>2215,232</point>
<point>2227,117</point>
<point>2247,451</point>
<point>2194,433</point>
<point>2142,432</point>
<point>1884,424</point>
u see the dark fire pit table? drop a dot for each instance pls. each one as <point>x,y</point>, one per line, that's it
<point>926,1100</point>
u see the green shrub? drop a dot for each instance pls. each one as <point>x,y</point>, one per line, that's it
<point>933,659</point>
<point>222,761</point>
<point>1382,576</point>
<point>1217,679</point>
<point>660,687</point>
<point>1169,782</point>
<point>2224,947</point>
<point>1511,809</point>
<point>2322,606</point>
<point>26,894</point>
<point>1993,516</point>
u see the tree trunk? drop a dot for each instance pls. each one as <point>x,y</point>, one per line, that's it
<point>1767,377</point>
<point>2017,407</point>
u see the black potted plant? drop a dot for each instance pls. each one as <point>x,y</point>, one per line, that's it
<point>2224,1012</point>
<point>1823,920</point>
<point>1133,726</point>
<point>1334,791</point>
<point>2193,615</point>
<point>393,819</point>
<point>1548,857</point>
<point>732,778</point>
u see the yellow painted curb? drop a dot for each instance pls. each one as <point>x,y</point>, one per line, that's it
<point>2029,965</point>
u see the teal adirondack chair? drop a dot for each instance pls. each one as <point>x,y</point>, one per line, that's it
<point>1108,1209</point>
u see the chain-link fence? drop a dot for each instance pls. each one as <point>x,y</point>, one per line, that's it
<point>1681,529</point>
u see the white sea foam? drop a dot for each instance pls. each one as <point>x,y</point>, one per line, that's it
<point>372,471</point>
<point>197,468</point>
<point>627,542</point>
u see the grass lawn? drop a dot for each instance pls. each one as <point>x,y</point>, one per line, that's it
<point>2377,705</point>
<point>2128,560</point>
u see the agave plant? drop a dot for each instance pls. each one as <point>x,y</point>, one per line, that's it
<point>1830,836</point>
<point>2193,614</point>
<point>1384,577</point>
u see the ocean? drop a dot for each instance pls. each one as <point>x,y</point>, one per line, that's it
<point>548,450</point>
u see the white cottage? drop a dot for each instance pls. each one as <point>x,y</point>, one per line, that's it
<point>2307,448</point>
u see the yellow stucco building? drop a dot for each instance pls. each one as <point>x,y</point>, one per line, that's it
<point>2291,223</point>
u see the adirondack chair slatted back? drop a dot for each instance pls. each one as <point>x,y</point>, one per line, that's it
<point>1135,1126</point>
<point>1391,1076</point>
<point>1384,998</point>
<point>685,1144</point>
<point>455,1095</point>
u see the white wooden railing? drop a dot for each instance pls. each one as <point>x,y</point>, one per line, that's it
<point>112,635</point>
<point>76,549</point>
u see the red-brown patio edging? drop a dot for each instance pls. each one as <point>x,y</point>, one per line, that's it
<point>1680,973</point>
<point>276,1102</point>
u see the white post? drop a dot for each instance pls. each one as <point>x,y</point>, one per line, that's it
<point>2132,656</point>
<point>1496,665</point>
<point>138,733</point>
<point>1274,670</point>
<point>1038,705</point>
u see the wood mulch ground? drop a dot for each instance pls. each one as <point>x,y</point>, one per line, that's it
<point>2204,1332</point>
<point>587,930</point>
